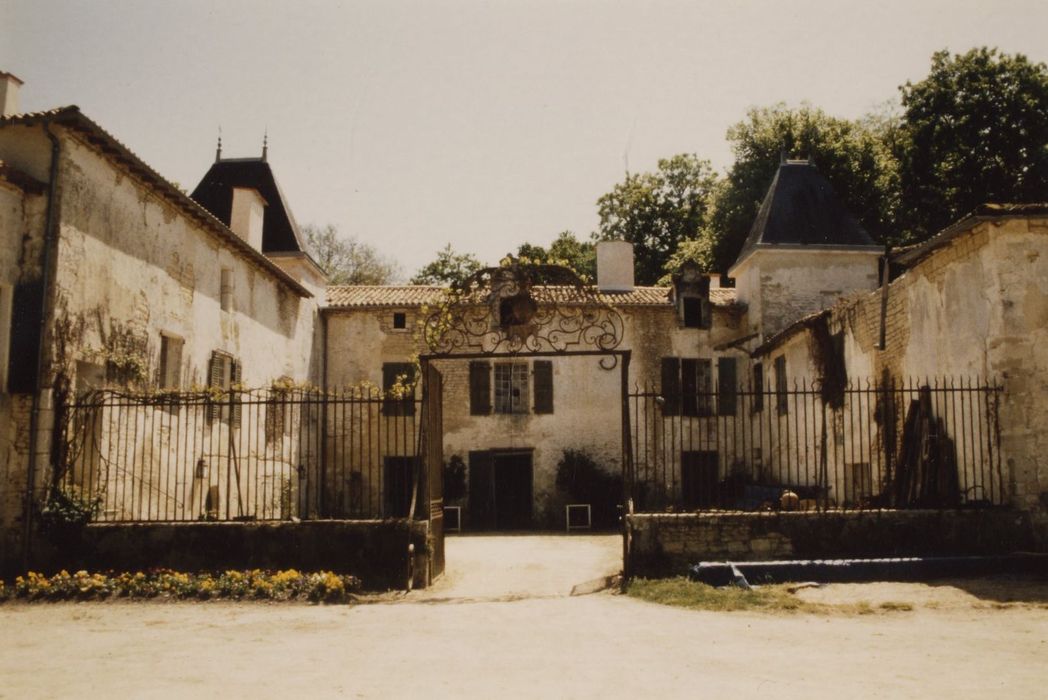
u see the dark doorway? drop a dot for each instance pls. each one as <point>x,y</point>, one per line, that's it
<point>698,479</point>
<point>500,490</point>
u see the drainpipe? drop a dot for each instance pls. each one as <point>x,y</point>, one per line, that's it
<point>50,238</point>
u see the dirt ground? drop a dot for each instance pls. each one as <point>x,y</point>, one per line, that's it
<point>470,638</point>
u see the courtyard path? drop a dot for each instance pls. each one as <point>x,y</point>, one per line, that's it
<point>502,624</point>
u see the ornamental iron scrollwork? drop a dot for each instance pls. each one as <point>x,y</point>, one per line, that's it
<point>519,309</point>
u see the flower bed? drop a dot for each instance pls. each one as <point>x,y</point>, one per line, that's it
<point>322,586</point>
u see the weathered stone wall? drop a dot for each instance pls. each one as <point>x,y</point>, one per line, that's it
<point>377,551</point>
<point>976,307</point>
<point>667,544</point>
<point>782,286</point>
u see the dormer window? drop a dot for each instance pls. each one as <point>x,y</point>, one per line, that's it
<point>691,295</point>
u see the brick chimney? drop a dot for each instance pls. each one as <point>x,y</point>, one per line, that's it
<point>614,266</point>
<point>9,87</point>
<point>246,217</point>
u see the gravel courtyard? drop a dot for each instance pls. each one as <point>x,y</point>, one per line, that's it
<point>473,636</point>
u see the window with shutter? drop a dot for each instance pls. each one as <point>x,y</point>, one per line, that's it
<point>398,386</point>
<point>235,377</point>
<point>726,386</point>
<point>479,388</point>
<point>695,387</point>
<point>543,379</point>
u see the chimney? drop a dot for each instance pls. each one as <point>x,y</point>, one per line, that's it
<point>614,266</point>
<point>245,219</point>
<point>9,102</point>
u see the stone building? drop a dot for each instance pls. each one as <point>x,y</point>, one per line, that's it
<point>511,417</point>
<point>112,276</point>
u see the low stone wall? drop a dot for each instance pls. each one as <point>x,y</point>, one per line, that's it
<point>382,553</point>
<point>666,544</point>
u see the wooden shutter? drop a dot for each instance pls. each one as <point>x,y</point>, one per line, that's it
<point>758,387</point>
<point>215,377</point>
<point>479,388</point>
<point>543,386</point>
<point>234,393</point>
<point>781,397</point>
<point>671,386</point>
<point>689,388</point>
<point>726,386</point>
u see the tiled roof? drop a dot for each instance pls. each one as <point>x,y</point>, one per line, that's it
<point>72,118</point>
<point>364,296</point>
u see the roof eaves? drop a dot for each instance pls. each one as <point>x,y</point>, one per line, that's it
<point>72,117</point>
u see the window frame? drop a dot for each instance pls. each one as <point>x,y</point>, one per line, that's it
<point>511,395</point>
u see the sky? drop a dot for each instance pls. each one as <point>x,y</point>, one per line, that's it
<point>410,125</point>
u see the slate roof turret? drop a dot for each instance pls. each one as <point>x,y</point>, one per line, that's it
<point>801,209</point>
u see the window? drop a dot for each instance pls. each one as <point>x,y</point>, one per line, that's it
<point>24,343</point>
<point>781,397</point>
<point>398,385</point>
<point>686,387</point>
<point>170,362</point>
<point>224,373</point>
<point>400,320</point>
<point>226,289</point>
<point>511,387</point>
<point>726,386</point>
<point>696,312</point>
<point>758,387</point>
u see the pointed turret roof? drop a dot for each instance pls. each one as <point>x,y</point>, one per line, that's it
<point>215,193</point>
<point>801,209</point>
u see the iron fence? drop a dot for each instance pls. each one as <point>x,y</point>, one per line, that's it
<point>892,444</point>
<point>269,454</point>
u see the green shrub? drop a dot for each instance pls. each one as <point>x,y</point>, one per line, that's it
<point>582,480</point>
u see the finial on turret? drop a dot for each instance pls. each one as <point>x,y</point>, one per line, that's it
<point>265,144</point>
<point>218,150</point>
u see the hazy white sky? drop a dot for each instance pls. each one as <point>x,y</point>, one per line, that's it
<point>483,124</point>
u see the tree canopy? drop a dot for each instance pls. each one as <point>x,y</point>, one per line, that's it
<point>346,260</point>
<point>566,250</point>
<point>448,267</point>
<point>656,211</point>
<point>976,131</point>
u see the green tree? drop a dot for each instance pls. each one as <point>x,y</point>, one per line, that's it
<point>976,131</point>
<point>566,250</point>
<point>348,260</point>
<point>448,267</point>
<point>851,155</point>
<point>657,211</point>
